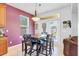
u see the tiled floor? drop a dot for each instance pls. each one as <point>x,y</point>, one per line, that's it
<point>17,51</point>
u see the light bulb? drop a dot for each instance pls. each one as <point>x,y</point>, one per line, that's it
<point>36,18</point>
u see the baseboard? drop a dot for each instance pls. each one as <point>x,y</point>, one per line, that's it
<point>14,46</point>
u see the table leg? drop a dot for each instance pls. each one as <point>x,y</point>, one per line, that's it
<point>37,46</point>
<point>22,46</point>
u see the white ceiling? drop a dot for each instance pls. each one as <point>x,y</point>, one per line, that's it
<point>30,7</point>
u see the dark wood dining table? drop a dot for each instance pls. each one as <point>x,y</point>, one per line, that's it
<point>37,45</point>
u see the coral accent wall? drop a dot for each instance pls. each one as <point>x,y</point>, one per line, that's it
<point>13,24</point>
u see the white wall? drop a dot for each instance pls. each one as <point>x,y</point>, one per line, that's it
<point>78,28</point>
<point>75,19</point>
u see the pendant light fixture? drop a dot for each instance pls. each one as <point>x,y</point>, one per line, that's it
<point>35,17</point>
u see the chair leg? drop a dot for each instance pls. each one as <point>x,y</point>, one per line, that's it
<point>50,49</point>
<point>30,51</point>
<point>50,52</point>
<point>42,49</point>
<point>25,49</point>
<point>46,47</point>
<point>38,50</point>
<point>46,51</point>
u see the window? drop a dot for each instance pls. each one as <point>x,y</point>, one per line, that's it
<point>24,24</point>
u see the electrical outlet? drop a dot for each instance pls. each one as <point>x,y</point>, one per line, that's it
<point>10,42</point>
<point>20,37</point>
<point>6,30</point>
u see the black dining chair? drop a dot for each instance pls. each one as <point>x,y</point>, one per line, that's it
<point>26,42</point>
<point>29,41</point>
<point>46,46</point>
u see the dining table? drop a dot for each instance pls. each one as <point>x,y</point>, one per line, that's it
<point>36,38</point>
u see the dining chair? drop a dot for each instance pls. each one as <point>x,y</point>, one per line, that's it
<point>29,41</point>
<point>46,49</point>
<point>26,42</point>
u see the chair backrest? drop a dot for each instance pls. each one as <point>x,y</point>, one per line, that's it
<point>47,36</point>
<point>26,36</point>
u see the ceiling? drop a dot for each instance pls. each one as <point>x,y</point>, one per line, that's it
<point>41,8</point>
